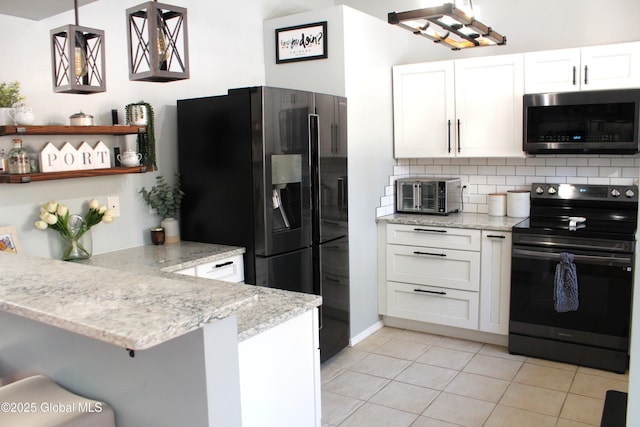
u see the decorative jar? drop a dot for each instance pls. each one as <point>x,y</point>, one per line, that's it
<point>18,158</point>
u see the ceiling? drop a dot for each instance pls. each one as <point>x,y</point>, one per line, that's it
<point>38,9</point>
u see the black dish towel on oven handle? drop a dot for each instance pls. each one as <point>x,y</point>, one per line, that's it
<point>565,289</point>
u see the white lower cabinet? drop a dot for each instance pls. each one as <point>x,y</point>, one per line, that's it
<point>447,276</point>
<point>280,375</point>
<point>495,282</point>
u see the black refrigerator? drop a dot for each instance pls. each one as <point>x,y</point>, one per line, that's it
<point>266,168</point>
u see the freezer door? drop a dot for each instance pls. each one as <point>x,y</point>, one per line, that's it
<point>281,170</point>
<point>329,154</point>
<point>292,271</point>
<point>334,288</point>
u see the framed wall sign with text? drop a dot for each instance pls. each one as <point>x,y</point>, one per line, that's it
<point>301,43</point>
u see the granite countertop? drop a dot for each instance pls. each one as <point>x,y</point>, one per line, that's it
<point>130,298</point>
<point>457,220</point>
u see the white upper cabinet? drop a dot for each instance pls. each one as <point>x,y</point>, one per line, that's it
<point>423,109</point>
<point>489,106</point>
<point>613,66</point>
<point>464,108</point>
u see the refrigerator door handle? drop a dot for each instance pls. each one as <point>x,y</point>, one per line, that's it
<point>314,140</point>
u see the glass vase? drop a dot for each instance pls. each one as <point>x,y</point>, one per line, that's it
<point>78,245</point>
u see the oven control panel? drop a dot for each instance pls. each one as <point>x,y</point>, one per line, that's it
<point>622,193</point>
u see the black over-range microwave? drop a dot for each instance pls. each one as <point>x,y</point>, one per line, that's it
<point>588,122</point>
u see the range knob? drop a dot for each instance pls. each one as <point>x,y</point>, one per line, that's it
<point>539,190</point>
<point>615,192</point>
<point>629,193</point>
<point>552,190</point>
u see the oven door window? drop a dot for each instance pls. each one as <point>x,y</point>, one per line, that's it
<point>604,291</point>
<point>428,197</point>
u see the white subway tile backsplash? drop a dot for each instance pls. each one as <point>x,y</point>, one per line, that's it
<point>566,171</point>
<point>556,161</point>
<point>545,171</point>
<point>535,161</point>
<point>451,170</point>
<point>478,161</point>
<point>497,161</point>
<point>588,171</point>
<point>496,179</point>
<point>622,161</point>
<point>482,176</point>
<point>487,170</point>
<point>577,161</point>
<point>515,180</point>
<point>525,170</point>
<point>610,172</point>
<point>469,170</point>
<point>506,170</point>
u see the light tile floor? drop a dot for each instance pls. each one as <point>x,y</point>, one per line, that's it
<point>401,378</point>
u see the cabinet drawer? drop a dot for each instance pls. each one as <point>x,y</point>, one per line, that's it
<point>432,304</point>
<point>439,237</point>
<point>434,266</point>
<point>228,269</point>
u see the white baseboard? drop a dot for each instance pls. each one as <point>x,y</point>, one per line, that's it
<point>364,334</point>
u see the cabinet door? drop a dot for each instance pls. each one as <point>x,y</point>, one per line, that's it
<point>434,267</point>
<point>495,282</point>
<point>552,71</point>
<point>613,66</point>
<point>431,304</point>
<point>489,106</point>
<point>423,109</point>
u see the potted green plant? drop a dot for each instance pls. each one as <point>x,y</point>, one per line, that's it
<point>141,114</point>
<point>9,95</point>
<point>165,199</point>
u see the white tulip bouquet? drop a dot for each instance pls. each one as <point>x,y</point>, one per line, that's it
<point>71,228</point>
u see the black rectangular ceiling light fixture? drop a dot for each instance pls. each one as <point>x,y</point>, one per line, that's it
<point>447,25</point>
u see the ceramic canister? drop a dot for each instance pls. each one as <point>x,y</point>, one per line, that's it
<point>497,204</point>
<point>518,203</point>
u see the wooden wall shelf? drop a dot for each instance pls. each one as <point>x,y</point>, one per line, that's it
<point>30,177</point>
<point>70,130</point>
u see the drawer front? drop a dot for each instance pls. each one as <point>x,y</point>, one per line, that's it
<point>432,304</point>
<point>439,237</point>
<point>434,267</point>
<point>227,269</point>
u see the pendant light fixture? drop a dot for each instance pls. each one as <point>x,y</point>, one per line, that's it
<point>157,42</point>
<point>449,26</point>
<point>78,58</point>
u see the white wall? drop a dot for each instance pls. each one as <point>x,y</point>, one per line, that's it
<point>361,50</point>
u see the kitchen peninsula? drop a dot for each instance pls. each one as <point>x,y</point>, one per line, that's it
<point>162,349</point>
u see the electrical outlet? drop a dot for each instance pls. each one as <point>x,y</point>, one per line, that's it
<point>113,203</point>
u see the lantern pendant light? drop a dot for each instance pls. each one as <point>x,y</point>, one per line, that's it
<point>78,58</point>
<point>157,42</point>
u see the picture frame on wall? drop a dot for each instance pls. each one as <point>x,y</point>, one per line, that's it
<point>301,42</point>
<point>9,240</point>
